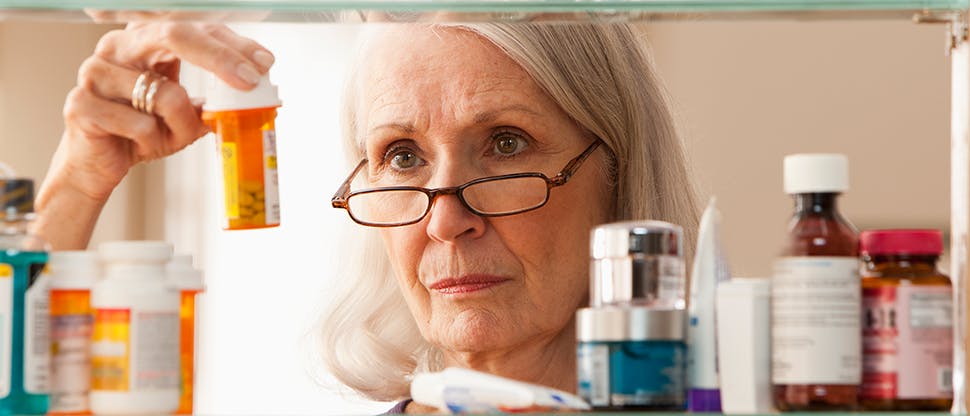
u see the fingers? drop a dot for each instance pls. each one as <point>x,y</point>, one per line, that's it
<point>235,59</point>
<point>97,118</point>
<point>171,102</point>
<point>262,57</point>
<point>106,79</point>
<point>179,114</point>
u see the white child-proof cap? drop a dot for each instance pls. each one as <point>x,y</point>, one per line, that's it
<point>181,273</point>
<point>220,96</point>
<point>74,269</point>
<point>816,172</point>
<point>135,251</point>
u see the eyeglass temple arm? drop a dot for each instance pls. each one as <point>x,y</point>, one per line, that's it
<point>570,168</point>
<point>339,199</point>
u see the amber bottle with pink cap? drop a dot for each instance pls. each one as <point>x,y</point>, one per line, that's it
<point>907,323</point>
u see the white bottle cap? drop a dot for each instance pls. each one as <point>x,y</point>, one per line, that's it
<point>181,273</point>
<point>219,96</point>
<point>135,251</point>
<point>816,172</point>
<point>73,269</point>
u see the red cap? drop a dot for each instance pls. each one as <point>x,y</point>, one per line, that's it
<point>894,242</point>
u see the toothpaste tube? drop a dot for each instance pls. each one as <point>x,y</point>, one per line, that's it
<point>460,390</point>
<point>710,268</point>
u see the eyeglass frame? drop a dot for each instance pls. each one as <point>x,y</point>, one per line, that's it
<point>342,196</point>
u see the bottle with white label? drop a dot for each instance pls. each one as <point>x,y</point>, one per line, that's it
<point>135,345</point>
<point>24,329</point>
<point>815,294</point>
<point>244,123</point>
<point>907,322</point>
<point>72,274</point>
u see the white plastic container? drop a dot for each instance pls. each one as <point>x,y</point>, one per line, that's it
<point>744,345</point>
<point>72,275</point>
<point>460,390</point>
<point>187,280</point>
<point>135,349</point>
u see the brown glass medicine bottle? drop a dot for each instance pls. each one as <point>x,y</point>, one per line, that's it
<point>907,323</point>
<point>815,322</point>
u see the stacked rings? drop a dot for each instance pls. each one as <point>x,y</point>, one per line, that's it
<point>143,94</point>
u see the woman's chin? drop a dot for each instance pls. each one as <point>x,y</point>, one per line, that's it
<point>473,330</point>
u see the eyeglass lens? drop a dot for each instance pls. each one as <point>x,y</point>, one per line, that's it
<point>492,197</point>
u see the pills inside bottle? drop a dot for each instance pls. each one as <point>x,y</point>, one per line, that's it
<point>245,129</point>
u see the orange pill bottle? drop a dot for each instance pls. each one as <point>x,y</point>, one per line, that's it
<point>245,130</point>
<point>73,274</point>
<point>188,281</point>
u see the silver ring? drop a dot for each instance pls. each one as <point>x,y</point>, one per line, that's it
<point>138,92</point>
<point>150,95</point>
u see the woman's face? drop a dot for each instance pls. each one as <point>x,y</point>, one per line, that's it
<point>441,107</point>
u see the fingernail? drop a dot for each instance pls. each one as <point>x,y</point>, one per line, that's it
<point>263,58</point>
<point>247,73</point>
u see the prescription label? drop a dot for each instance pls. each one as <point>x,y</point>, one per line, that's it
<point>230,177</point>
<point>815,324</point>
<point>110,350</point>
<point>6,327</point>
<point>37,345</point>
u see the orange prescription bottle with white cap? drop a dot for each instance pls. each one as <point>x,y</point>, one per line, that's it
<point>73,274</point>
<point>244,125</point>
<point>188,281</point>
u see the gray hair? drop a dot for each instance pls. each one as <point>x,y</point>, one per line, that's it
<point>601,75</point>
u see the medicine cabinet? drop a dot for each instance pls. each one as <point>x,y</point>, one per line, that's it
<point>950,16</point>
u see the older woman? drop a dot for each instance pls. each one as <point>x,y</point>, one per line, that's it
<point>470,125</point>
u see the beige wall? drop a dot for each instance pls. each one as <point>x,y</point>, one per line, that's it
<point>38,66</point>
<point>747,93</point>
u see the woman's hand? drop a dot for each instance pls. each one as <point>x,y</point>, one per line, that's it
<point>105,135</point>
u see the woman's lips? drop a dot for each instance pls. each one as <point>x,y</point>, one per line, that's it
<point>466,284</point>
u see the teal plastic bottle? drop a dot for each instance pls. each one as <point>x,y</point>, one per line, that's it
<point>24,307</point>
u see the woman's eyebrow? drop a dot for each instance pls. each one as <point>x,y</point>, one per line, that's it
<point>491,115</point>
<point>480,118</point>
<point>406,128</point>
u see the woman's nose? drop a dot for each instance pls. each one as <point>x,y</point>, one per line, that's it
<point>449,220</point>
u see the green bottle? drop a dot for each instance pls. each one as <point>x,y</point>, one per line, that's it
<point>24,305</point>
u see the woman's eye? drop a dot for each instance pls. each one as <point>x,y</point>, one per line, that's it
<point>507,145</point>
<point>404,160</point>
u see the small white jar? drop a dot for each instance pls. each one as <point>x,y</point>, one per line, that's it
<point>135,346</point>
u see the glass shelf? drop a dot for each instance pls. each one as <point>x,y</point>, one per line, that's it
<point>476,10</point>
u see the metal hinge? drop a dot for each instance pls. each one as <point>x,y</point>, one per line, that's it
<point>956,22</point>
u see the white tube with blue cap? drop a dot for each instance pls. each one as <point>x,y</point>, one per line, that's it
<point>463,391</point>
<point>710,268</point>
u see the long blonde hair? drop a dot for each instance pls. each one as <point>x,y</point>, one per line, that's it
<point>601,75</point>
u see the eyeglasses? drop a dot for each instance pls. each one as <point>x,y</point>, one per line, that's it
<point>493,196</point>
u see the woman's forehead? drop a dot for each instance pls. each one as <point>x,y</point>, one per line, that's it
<point>422,57</point>
<point>438,73</point>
